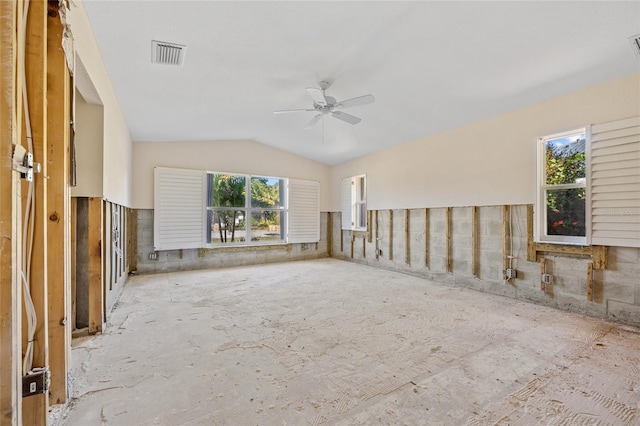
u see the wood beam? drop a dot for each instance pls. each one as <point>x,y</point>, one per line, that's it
<point>377,236</point>
<point>590,281</point>
<point>58,204</point>
<point>329,234</point>
<point>449,263</point>
<point>10,243</point>
<point>341,235</point>
<point>390,235</point>
<point>35,408</point>
<point>73,248</point>
<point>407,236</point>
<point>426,238</point>
<point>94,222</point>
<point>369,225</point>
<point>505,239</point>
<point>475,244</point>
<point>532,255</point>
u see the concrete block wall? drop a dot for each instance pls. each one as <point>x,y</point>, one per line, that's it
<point>616,291</point>
<point>189,259</point>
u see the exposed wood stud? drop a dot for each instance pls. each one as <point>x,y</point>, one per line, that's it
<point>330,234</point>
<point>590,281</point>
<point>390,235</point>
<point>407,236</point>
<point>474,242</point>
<point>132,240</point>
<point>352,242</point>
<point>35,408</point>
<point>58,204</point>
<point>449,248</point>
<point>426,238</point>
<point>377,237</point>
<point>543,270</point>
<point>369,225</point>
<point>364,247</point>
<point>94,226</point>
<point>531,247</point>
<point>73,261</point>
<point>10,193</point>
<point>505,238</point>
<point>341,235</point>
<point>600,257</point>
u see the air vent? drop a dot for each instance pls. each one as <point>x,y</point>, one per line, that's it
<point>635,44</point>
<point>167,53</point>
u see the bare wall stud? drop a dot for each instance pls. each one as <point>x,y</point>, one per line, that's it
<point>426,237</point>
<point>449,240</point>
<point>407,236</point>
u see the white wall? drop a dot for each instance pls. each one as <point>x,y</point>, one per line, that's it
<point>491,162</point>
<point>237,156</point>
<point>117,164</point>
<point>89,149</point>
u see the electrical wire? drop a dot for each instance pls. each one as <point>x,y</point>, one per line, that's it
<point>28,222</point>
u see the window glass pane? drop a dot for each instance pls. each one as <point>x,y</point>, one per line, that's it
<point>565,160</point>
<point>226,226</point>
<point>361,189</point>
<point>267,225</point>
<point>361,215</point>
<point>265,192</point>
<point>228,190</point>
<point>566,212</point>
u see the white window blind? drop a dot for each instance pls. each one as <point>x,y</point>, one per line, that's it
<point>304,211</point>
<point>179,208</point>
<point>346,202</point>
<point>615,183</point>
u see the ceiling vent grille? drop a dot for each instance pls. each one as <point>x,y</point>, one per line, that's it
<point>167,53</point>
<point>635,44</point>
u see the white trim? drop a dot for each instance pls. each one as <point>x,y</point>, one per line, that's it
<point>540,229</point>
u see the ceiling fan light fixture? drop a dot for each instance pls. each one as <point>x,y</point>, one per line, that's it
<point>634,41</point>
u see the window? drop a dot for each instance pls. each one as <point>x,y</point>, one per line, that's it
<point>354,203</point>
<point>562,188</point>
<point>196,209</point>
<point>243,208</point>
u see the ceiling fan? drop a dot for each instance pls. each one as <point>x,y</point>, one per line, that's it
<point>327,105</point>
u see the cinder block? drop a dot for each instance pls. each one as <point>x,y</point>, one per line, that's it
<point>624,312</point>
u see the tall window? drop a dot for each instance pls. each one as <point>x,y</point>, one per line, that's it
<point>562,188</point>
<point>354,203</point>
<point>242,208</point>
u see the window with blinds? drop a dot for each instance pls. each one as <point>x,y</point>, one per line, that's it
<point>615,183</point>
<point>179,208</point>
<point>196,208</point>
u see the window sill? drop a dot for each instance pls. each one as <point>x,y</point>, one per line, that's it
<point>597,253</point>
<point>243,247</point>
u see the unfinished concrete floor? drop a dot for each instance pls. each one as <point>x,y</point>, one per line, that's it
<point>332,342</point>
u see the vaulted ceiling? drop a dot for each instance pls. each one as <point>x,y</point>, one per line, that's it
<point>432,66</point>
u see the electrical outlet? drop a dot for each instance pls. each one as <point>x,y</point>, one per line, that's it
<point>547,279</point>
<point>378,252</point>
<point>510,273</point>
<point>153,255</point>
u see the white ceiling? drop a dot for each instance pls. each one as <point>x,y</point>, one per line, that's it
<point>432,66</point>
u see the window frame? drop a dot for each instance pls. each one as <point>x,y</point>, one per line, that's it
<point>357,206</point>
<point>542,187</point>
<point>249,210</point>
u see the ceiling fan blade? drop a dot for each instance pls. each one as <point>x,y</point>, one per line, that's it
<point>317,95</point>
<point>313,121</point>
<point>285,111</point>
<point>360,100</point>
<point>346,117</point>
